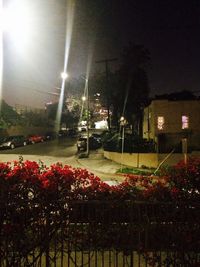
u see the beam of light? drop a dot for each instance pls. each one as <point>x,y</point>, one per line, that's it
<point>89,62</point>
<point>82,107</point>
<point>1,50</point>
<point>17,22</point>
<point>69,28</point>
<point>86,78</point>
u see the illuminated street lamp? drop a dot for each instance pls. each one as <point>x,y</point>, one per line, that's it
<point>18,22</point>
<point>122,119</point>
<point>64,75</point>
<point>17,25</point>
<point>83,98</point>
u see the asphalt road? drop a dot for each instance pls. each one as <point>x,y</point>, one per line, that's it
<point>64,150</point>
<point>63,147</point>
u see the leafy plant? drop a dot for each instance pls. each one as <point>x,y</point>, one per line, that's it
<point>39,203</point>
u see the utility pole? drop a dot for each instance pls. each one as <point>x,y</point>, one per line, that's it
<point>106,62</point>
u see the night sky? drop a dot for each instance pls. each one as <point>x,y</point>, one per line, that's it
<point>169,29</point>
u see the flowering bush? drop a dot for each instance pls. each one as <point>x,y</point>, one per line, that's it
<point>183,179</point>
<point>31,181</point>
<point>36,200</point>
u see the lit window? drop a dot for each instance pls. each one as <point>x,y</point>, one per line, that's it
<point>185,122</point>
<point>160,122</point>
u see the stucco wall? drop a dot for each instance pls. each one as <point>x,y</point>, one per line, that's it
<point>172,111</point>
<point>133,160</point>
<point>146,159</point>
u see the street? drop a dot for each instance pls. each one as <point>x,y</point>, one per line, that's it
<point>64,150</point>
<point>63,147</point>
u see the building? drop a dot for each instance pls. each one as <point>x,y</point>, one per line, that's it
<point>167,122</point>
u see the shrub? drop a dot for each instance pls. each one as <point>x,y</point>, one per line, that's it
<point>132,143</point>
<point>38,203</point>
<point>184,179</point>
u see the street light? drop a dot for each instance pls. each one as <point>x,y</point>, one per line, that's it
<point>122,124</point>
<point>83,98</point>
<point>64,75</point>
<point>17,20</point>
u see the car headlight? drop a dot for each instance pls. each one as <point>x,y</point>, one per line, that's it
<point>6,144</point>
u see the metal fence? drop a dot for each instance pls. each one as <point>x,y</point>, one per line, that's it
<point>108,233</point>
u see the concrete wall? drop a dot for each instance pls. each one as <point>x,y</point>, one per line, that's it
<point>134,159</point>
<point>146,159</point>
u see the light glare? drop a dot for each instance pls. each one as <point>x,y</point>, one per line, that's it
<point>1,51</point>
<point>17,22</point>
<point>64,75</point>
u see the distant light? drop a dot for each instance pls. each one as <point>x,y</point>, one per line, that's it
<point>49,103</point>
<point>64,75</point>
<point>83,98</point>
<point>101,124</point>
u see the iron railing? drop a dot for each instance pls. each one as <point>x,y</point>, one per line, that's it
<point>107,233</point>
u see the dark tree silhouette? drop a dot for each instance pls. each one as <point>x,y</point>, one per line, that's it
<point>8,116</point>
<point>68,117</point>
<point>132,87</point>
<point>126,91</point>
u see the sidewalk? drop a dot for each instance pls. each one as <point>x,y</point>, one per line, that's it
<point>104,168</point>
<point>96,163</point>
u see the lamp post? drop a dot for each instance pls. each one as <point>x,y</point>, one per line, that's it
<point>86,98</point>
<point>122,124</point>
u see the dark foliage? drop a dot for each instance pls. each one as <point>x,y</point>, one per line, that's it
<point>59,209</point>
<point>132,143</point>
<point>8,116</point>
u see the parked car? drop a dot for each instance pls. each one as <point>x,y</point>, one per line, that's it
<point>62,133</point>
<point>32,139</point>
<point>97,137</point>
<point>50,136</point>
<point>71,132</point>
<point>82,143</point>
<point>13,141</point>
